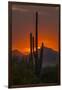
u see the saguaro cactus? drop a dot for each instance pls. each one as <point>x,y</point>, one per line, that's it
<point>37,61</point>
<point>31,44</point>
<point>36,36</point>
<point>31,51</point>
<point>41,59</point>
<point>36,45</point>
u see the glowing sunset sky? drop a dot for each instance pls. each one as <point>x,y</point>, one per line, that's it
<point>23,22</point>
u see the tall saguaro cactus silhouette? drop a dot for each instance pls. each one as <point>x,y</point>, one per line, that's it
<point>36,36</point>
<point>36,45</point>
<point>37,61</point>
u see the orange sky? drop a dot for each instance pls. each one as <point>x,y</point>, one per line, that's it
<point>23,22</point>
<point>24,47</point>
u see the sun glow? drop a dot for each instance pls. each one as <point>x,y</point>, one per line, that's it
<point>27,50</point>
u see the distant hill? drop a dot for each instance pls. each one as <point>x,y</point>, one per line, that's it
<point>50,57</point>
<point>17,55</point>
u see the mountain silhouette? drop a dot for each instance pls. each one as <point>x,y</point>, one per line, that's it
<point>50,57</point>
<point>17,55</point>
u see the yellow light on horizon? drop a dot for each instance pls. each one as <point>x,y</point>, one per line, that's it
<point>27,50</point>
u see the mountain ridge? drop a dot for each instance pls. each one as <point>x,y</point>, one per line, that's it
<point>50,56</point>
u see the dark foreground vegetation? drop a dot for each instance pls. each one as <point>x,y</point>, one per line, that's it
<point>23,73</point>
